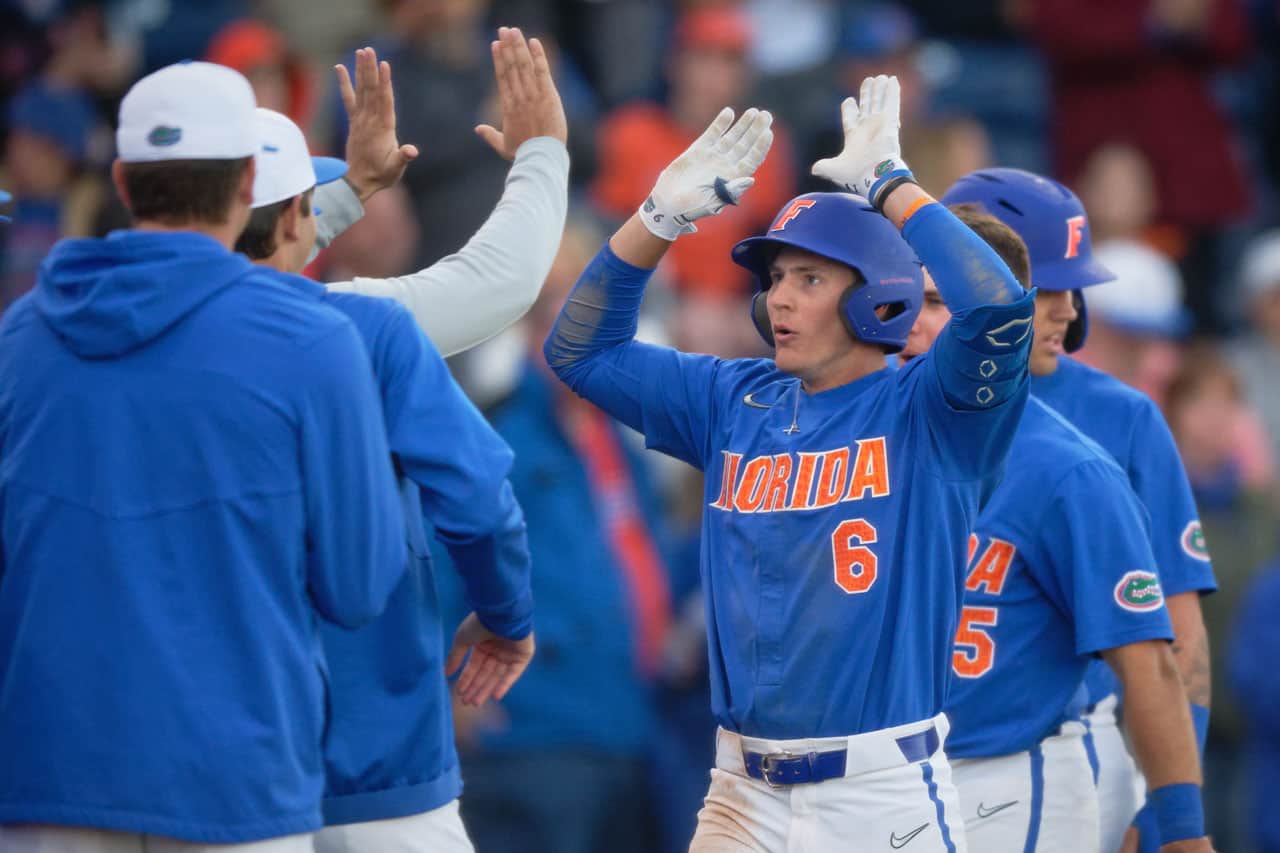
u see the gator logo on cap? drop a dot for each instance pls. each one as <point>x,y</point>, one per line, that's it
<point>1139,592</point>
<point>883,168</point>
<point>162,137</point>
<point>1193,541</point>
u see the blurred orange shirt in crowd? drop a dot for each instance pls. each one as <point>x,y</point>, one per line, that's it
<point>636,144</point>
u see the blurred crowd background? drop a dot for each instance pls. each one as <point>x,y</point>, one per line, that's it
<point>1164,115</point>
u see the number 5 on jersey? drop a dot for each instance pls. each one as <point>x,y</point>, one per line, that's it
<point>975,650</point>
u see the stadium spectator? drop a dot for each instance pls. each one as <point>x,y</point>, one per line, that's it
<point>707,69</point>
<point>280,78</point>
<point>1139,71</point>
<point>1256,355</point>
<point>50,127</point>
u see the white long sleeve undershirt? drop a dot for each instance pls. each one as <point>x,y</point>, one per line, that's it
<point>470,296</point>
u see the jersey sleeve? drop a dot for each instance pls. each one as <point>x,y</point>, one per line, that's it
<point>355,541</point>
<point>1156,472</point>
<point>461,465</point>
<point>1101,571</point>
<point>666,395</point>
<point>475,293</point>
<point>973,382</point>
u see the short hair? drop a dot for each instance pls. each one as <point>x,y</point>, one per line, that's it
<point>1000,237</point>
<point>180,191</point>
<point>258,240</point>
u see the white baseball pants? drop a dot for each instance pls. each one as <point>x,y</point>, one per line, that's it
<point>1041,800</point>
<point>1121,788</point>
<point>437,831</point>
<point>884,802</point>
<point>45,838</point>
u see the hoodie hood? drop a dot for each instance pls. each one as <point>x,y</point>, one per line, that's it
<point>104,298</point>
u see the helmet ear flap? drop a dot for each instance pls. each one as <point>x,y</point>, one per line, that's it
<point>846,314</point>
<point>1078,331</point>
<point>760,316</point>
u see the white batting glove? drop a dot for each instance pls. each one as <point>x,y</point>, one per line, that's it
<point>872,155</point>
<point>714,171</point>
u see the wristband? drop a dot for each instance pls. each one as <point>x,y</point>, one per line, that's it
<point>887,175</point>
<point>663,225</point>
<point>1200,719</point>
<point>1179,812</point>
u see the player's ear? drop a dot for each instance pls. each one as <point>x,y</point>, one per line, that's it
<point>287,227</point>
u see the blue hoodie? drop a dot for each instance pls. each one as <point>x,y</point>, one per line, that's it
<point>389,751</point>
<point>192,464</point>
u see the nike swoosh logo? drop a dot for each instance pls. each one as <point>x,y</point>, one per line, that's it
<point>898,841</point>
<point>989,812</point>
<point>750,401</point>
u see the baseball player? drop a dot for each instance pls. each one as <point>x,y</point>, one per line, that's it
<point>1060,568</point>
<point>391,767</point>
<point>1052,222</point>
<point>840,492</point>
<point>470,296</point>
<point>194,459</point>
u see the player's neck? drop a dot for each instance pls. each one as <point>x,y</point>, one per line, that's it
<point>861,360</point>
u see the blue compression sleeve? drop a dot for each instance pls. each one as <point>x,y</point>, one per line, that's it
<point>1200,719</point>
<point>601,312</point>
<point>966,270</point>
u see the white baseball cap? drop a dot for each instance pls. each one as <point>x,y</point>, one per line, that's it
<point>285,168</point>
<point>188,111</point>
<point>1146,296</point>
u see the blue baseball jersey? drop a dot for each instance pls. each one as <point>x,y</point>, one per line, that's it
<point>1060,568</point>
<point>1129,426</point>
<point>835,523</point>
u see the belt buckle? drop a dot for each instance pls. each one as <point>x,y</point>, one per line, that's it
<point>765,767</point>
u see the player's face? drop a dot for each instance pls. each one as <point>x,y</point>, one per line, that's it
<point>929,322</point>
<point>1055,309</point>
<point>804,310</point>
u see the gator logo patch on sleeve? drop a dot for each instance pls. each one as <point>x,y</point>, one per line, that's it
<point>1139,592</point>
<point>1193,541</point>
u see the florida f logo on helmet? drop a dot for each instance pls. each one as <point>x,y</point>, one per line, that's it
<point>1075,233</point>
<point>793,210</point>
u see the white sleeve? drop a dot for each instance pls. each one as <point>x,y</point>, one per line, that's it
<point>471,295</point>
<point>339,207</point>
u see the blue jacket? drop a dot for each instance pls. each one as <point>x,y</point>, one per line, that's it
<point>389,751</point>
<point>1254,649</point>
<point>583,689</point>
<point>192,464</point>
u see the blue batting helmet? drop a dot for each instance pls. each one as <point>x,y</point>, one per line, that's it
<point>847,229</point>
<point>1051,221</point>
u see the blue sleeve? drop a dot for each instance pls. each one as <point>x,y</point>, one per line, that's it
<point>1155,469</point>
<point>355,529</point>
<point>1102,569</point>
<point>664,394</point>
<point>969,274</point>
<point>1252,652</point>
<point>461,465</point>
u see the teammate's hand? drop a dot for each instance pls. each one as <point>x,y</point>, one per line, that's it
<point>527,95</point>
<point>375,159</point>
<point>714,171</point>
<point>495,663</point>
<point>872,154</point>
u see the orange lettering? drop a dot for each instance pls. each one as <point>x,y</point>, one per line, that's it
<point>804,482</point>
<point>727,478</point>
<point>751,490</point>
<point>992,568</point>
<point>870,470</point>
<point>835,467</point>
<point>776,492</point>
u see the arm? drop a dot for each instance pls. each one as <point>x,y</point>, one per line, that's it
<point>1160,728</point>
<point>655,390</point>
<point>354,524</point>
<point>472,295</point>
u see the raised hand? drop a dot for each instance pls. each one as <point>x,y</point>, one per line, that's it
<point>872,154</point>
<point>495,663</point>
<point>527,95</point>
<point>712,172</point>
<point>375,158</point>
